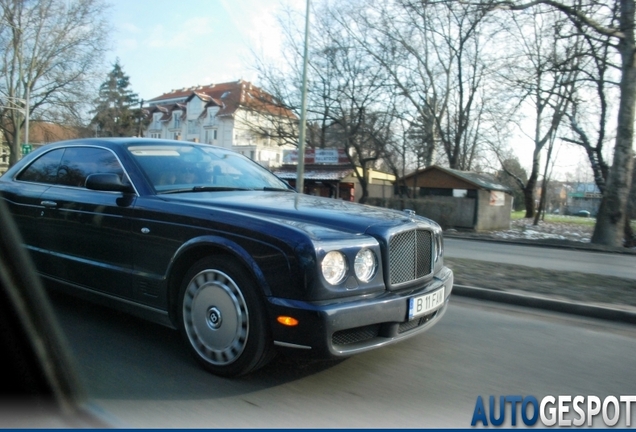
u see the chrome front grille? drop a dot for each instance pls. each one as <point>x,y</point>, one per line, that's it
<point>410,256</point>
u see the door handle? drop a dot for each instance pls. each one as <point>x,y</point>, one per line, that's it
<point>49,204</point>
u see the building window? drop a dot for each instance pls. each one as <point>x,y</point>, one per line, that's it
<point>210,136</point>
<point>155,135</point>
<point>192,127</point>
<point>212,116</point>
<point>156,123</point>
<point>194,108</point>
<point>176,121</point>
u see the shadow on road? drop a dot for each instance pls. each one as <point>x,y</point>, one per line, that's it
<point>121,356</point>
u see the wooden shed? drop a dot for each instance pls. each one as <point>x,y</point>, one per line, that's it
<point>471,200</point>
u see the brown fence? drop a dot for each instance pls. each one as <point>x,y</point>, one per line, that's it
<point>449,212</point>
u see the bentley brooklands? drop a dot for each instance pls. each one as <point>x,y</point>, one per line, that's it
<point>206,241</point>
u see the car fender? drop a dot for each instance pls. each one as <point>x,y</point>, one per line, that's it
<point>196,248</point>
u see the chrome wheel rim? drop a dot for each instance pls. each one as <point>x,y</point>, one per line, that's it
<point>215,317</point>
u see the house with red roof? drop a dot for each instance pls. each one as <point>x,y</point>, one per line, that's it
<point>236,115</point>
<point>41,133</point>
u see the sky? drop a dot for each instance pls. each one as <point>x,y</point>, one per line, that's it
<point>164,45</point>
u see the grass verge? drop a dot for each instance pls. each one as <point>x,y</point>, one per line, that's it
<point>562,219</point>
<point>573,286</point>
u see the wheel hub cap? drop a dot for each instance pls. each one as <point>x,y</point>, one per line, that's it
<point>214,318</point>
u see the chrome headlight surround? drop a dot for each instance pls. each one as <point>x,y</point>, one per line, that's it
<point>365,265</point>
<point>334,267</point>
<point>329,285</point>
<point>439,249</point>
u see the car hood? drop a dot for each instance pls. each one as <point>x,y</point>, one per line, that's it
<point>299,209</point>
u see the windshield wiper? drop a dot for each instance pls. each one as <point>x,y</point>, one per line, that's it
<point>223,189</point>
<point>216,188</point>
<point>273,189</point>
<point>204,189</point>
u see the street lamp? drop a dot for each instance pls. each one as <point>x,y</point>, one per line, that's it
<point>26,101</point>
<point>24,111</point>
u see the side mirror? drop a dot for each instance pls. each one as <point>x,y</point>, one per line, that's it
<point>108,182</point>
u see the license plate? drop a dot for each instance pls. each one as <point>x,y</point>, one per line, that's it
<point>423,304</point>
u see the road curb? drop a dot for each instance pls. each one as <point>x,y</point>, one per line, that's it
<point>555,244</point>
<point>574,308</point>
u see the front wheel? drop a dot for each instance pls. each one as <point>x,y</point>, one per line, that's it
<point>222,318</point>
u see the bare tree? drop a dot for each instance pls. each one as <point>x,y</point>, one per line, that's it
<point>349,101</point>
<point>542,74</point>
<point>598,17</point>
<point>435,55</point>
<point>596,87</point>
<point>50,53</point>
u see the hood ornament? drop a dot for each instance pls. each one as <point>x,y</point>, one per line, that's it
<point>409,212</point>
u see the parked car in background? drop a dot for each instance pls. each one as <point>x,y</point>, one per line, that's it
<point>204,240</point>
<point>582,213</point>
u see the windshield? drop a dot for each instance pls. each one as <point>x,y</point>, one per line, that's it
<point>179,168</point>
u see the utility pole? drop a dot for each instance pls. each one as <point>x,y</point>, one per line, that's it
<point>141,104</point>
<point>300,172</point>
<point>26,113</point>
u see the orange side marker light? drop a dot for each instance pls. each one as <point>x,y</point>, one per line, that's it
<point>288,321</point>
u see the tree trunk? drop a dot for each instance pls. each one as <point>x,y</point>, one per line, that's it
<point>364,186</point>
<point>528,190</point>
<point>610,223</point>
<point>630,237</point>
<point>14,146</point>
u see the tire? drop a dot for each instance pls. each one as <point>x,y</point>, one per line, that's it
<point>222,318</point>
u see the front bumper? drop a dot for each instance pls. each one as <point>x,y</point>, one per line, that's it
<point>346,328</point>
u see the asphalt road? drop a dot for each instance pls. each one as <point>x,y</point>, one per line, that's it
<point>607,264</point>
<point>141,374</point>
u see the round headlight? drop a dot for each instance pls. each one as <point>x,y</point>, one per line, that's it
<point>334,267</point>
<point>365,265</point>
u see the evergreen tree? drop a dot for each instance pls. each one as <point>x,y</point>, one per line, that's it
<point>515,177</point>
<point>115,114</point>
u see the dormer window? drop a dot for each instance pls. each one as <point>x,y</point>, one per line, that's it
<point>212,115</point>
<point>195,106</point>
<point>156,121</point>
<point>176,120</point>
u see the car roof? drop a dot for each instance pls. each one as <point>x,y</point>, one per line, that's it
<point>126,141</point>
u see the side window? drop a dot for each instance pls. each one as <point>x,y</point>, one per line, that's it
<point>43,169</point>
<point>79,162</point>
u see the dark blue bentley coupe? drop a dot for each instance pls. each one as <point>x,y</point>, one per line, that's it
<point>206,241</point>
